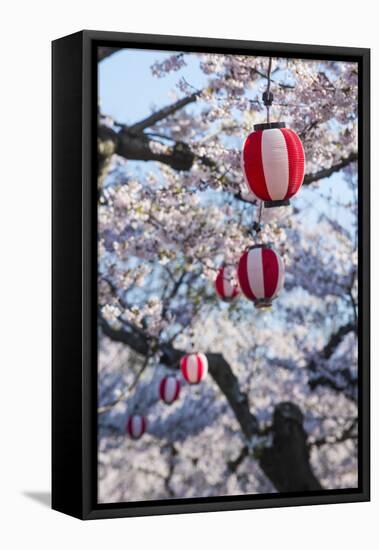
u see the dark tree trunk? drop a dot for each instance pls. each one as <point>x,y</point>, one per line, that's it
<point>286,462</point>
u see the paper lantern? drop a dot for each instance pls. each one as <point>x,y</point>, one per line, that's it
<point>194,367</point>
<point>169,389</point>
<point>225,285</point>
<point>136,426</point>
<point>273,163</point>
<point>261,274</point>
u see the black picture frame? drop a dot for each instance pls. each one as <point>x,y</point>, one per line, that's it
<point>74,331</point>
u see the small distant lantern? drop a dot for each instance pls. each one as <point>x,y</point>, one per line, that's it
<point>136,426</point>
<point>194,367</point>
<point>225,284</point>
<point>169,389</point>
<point>261,275</point>
<point>273,163</point>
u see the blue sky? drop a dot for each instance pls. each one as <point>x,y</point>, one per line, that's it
<point>127,89</point>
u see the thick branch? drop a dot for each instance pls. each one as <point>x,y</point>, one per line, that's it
<point>224,377</point>
<point>140,147</point>
<point>130,338</point>
<point>132,143</point>
<point>336,338</point>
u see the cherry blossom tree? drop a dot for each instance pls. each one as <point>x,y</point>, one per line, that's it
<point>278,411</point>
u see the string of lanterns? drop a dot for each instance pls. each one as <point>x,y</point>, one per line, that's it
<point>272,163</point>
<point>194,369</point>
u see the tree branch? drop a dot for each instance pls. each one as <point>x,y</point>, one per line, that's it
<point>130,338</point>
<point>162,113</point>
<point>234,464</point>
<point>326,377</point>
<point>348,433</point>
<point>104,51</point>
<point>336,338</point>
<point>140,147</point>
<point>327,172</point>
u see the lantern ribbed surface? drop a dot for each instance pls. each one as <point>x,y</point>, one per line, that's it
<point>136,426</point>
<point>169,389</point>
<point>273,163</point>
<point>261,274</point>
<point>225,286</point>
<point>194,367</point>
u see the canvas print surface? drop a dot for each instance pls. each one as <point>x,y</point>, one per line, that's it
<point>227,275</point>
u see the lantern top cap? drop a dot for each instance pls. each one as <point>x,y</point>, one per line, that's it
<point>265,245</point>
<point>269,126</point>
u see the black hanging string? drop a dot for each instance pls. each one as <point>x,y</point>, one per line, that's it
<point>257,225</point>
<point>267,96</point>
<point>260,210</point>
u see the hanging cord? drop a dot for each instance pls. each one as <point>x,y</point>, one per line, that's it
<point>257,225</point>
<point>267,96</point>
<point>260,212</point>
<point>192,341</point>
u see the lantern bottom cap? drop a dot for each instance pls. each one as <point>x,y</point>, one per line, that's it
<point>275,204</point>
<point>263,303</point>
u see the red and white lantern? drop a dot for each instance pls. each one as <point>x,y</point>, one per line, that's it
<point>169,389</point>
<point>225,284</point>
<point>136,426</point>
<point>273,163</point>
<point>261,274</point>
<point>194,367</point>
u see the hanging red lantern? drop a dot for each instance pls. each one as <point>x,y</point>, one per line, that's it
<point>261,274</point>
<point>169,389</point>
<point>194,367</point>
<point>225,285</point>
<point>273,163</point>
<point>136,426</point>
